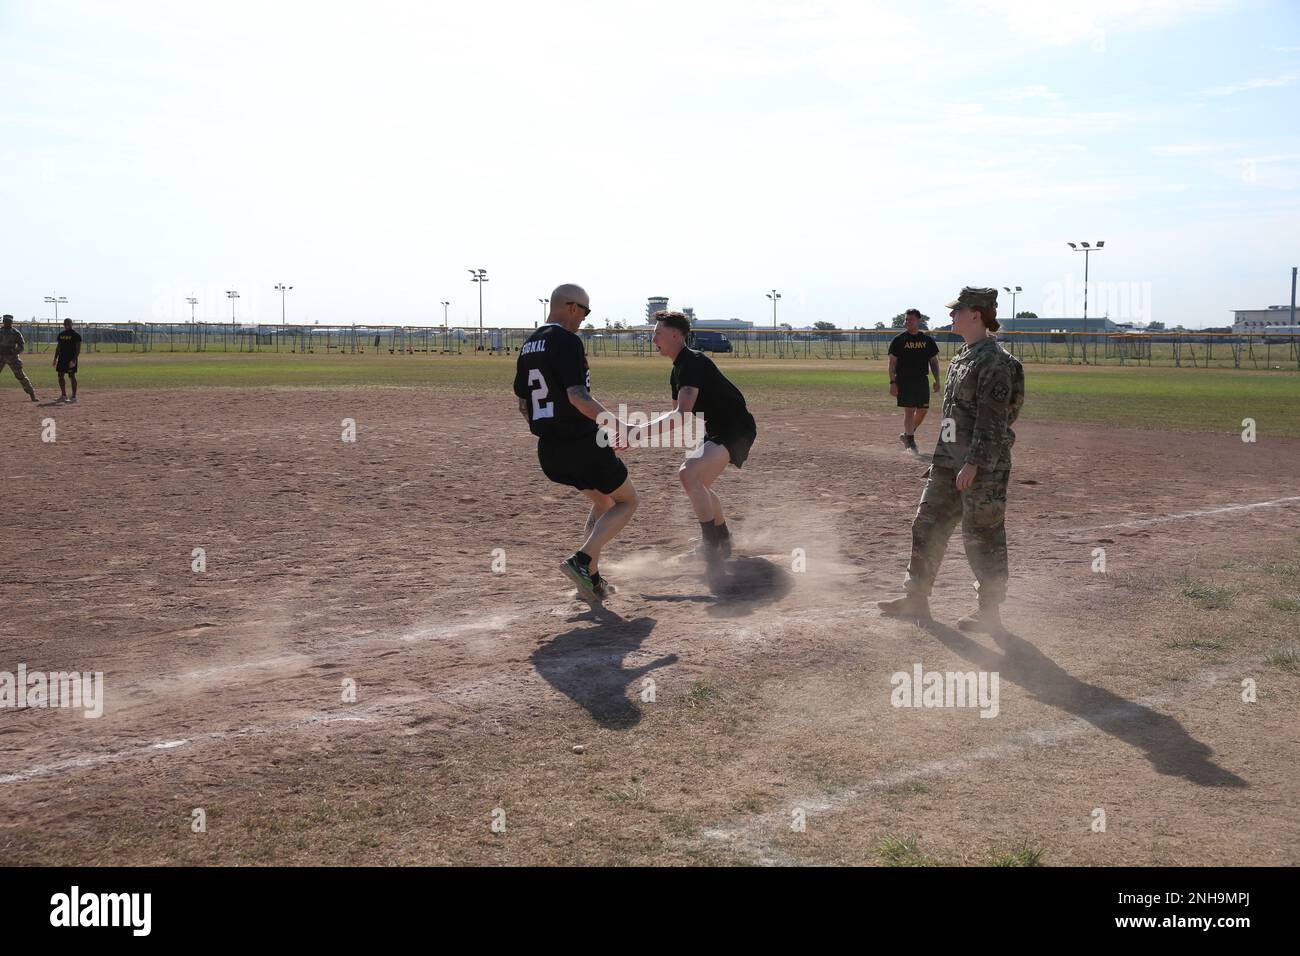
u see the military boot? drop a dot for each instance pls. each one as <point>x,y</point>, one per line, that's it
<point>985,620</point>
<point>911,606</point>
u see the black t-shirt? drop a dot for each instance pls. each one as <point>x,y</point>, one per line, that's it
<point>552,360</point>
<point>720,402</point>
<point>69,344</point>
<point>913,353</point>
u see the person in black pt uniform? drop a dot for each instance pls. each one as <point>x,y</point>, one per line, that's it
<point>909,355</point>
<point>729,428</point>
<point>65,360</point>
<point>553,385</point>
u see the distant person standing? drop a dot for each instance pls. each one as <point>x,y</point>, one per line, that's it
<point>910,354</point>
<point>11,346</point>
<point>65,360</point>
<point>971,470</point>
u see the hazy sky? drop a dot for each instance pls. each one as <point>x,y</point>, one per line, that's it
<point>861,158</point>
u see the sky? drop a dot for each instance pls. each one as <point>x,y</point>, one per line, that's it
<point>860,158</point>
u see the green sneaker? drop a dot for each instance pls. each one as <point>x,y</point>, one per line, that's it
<point>581,577</point>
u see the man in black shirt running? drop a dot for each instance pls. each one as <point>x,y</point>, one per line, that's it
<point>553,385</point>
<point>909,355</point>
<point>729,428</point>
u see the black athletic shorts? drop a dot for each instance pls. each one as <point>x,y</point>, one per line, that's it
<point>65,366</point>
<point>914,392</point>
<point>581,463</point>
<point>737,441</point>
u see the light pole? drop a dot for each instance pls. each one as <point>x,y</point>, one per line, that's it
<point>480,276</point>
<point>545,303</point>
<point>57,300</point>
<point>1087,251</point>
<point>1015,291</point>
<point>232,295</point>
<point>446,332</point>
<point>281,288</point>
<point>193,302</point>
<point>774,295</point>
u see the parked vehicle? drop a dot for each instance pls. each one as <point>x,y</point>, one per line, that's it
<point>707,341</point>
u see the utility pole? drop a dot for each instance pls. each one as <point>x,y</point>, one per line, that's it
<point>1086,250</point>
<point>57,300</point>
<point>480,276</point>
<point>281,288</point>
<point>1015,291</point>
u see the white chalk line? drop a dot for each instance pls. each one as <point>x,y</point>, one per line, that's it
<point>1226,509</point>
<point>360,714</point>
<point>747,835</point>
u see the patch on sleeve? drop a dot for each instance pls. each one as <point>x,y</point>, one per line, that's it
<point>1000,392</point>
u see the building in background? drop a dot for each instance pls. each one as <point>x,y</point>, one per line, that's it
<point>1276,318</point>
<point>656,303</point>
<point>1060,325</point>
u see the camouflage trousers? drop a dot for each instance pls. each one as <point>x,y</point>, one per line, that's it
<point>982,509</point>
<point>15,363</point>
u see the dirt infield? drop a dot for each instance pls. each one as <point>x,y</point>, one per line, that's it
<point>332,564</point>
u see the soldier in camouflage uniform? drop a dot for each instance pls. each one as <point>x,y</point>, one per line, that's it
<point>971,467</point>
<point>11,346</point>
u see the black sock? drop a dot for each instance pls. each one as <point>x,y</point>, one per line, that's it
<point>582,557</point>
<point>722,530</point>
<point>595,577</point>
<point>708,530</point>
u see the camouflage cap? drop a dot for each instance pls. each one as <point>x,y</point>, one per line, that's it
<point>972,297</point>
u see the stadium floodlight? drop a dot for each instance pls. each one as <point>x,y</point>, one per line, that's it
<point>281,288</point>
<point>232,295</point>
<point>445,307</point>
<point>773,295</point>
<point>480,276</point>
<point>1015,291</point>
<point>57,300</point>
<point>1086,251</point>
<point>193,302</point>
<point>545,303</point>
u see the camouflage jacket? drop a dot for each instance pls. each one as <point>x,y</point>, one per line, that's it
<point>986,387</point>
<point>11,341</point>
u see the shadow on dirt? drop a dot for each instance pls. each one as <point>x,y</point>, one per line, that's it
<point>586,665</point>
<point>1162,739</point>
<point>737,588</point>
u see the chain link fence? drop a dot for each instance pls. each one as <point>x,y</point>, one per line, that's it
<point>1167,349</point>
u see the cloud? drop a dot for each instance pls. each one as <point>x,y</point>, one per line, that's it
<point>1038,92</point>
<point>1190,149</point>
<point>1048,24</point>
<point>1255,84</point>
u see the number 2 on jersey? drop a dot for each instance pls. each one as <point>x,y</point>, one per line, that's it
<point>541,407</point>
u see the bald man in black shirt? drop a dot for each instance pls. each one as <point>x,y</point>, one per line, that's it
<point>553,386</point>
